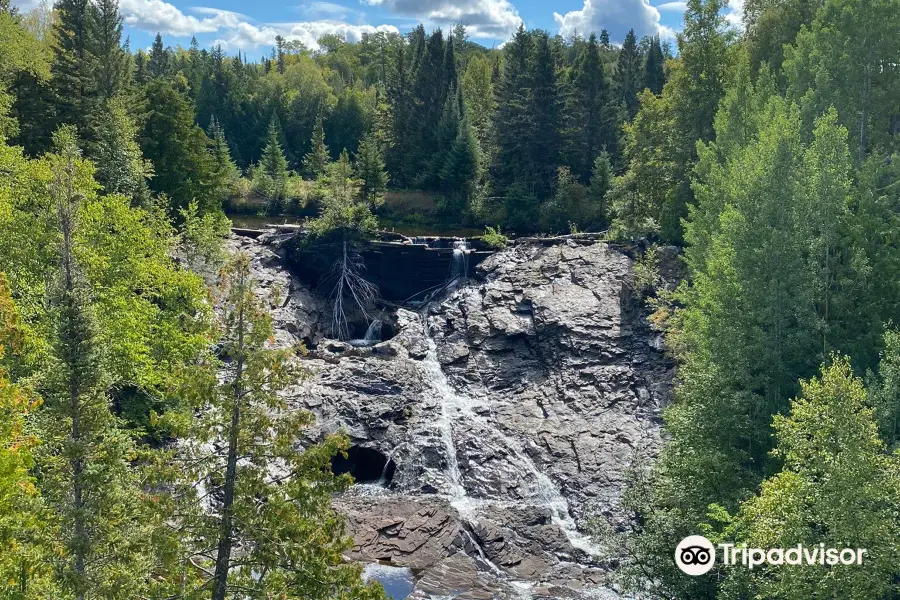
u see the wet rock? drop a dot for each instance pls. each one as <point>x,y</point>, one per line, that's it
<point>512,409</point>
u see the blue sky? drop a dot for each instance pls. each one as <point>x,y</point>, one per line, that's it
<point>252,26</point>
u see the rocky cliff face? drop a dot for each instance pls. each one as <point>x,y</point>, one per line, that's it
<point>493,423</point>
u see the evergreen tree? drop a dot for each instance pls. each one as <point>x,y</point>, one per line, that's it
<point>370,170</point>
<point>629,75</point>
<point>105,45</point>
<point>601,182</point>
<point>654,75</point>
<point>272,166</point>
<point>317,159</point>
<point>121,168</point>
<point>279,53</point>
<point>461,166</point>
<point>72,68</point>
<point>268,535</point>
<point>226,171</point>
<point>178,149</point>
<point>140,68</point>
<point>591,125</point>
<point>604,39</point>
<point>84,462</point>
<point>400,101</point>
<point>429,92</point>
<point>158,62</point>
<point>545,112</point>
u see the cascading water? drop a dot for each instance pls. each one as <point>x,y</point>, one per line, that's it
<point>372,337</point>
<point>373,333</point>
<point>459,264</point>
<point>458,408</point>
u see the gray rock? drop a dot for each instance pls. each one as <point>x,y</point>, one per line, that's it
<point>513,408</point>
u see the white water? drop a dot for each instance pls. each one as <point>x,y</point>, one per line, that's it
<point>455,407</point>
<point>459,265</point>
<point>373,333</point>
<point>372,337</point>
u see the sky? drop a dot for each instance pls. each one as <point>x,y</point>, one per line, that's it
<point>251,26</point>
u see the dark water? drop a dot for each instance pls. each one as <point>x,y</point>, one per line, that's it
<point>398,582</point>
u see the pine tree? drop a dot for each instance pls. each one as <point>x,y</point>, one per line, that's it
<point>121,168</point>
<point>511,120</point>
<point>226,172</point>
<point>158,63</point>
<point>370,170</point>
<point>318,157</point>
<point>177,148</point>
<point>447,130</point>
<point>105,46</point>
<point>544,118</point>
<point>629,74</point>
<point>590,124</point>
<point>84,461</point>
<point>268,535</point>
<point>140,67</point>
<point>604,40</point>
<point>279,53</point>
<point>273,165</point>
<point>428,97</point>
<point>654,75</point>
<point>72,82</point>
<point>461,166</point>
<point>601,182</point>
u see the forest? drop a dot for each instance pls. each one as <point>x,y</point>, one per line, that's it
<point>140,407</point>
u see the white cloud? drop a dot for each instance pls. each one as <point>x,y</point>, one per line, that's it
<point>673,6</point>
<point>324,10</point>
<point>237,31</point>
<point>247,35</point>
<point>483,18</point>
<point>735,14</point>
<point>616,16</point>
<point>158,16</point>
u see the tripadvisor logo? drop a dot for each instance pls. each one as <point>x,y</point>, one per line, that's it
<point>696,555</point>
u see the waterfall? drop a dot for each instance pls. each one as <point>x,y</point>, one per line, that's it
<point>373,333</point>
<point>459,264</point>
<point>456,407</point>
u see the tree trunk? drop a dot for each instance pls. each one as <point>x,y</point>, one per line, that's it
<point>223,556</point>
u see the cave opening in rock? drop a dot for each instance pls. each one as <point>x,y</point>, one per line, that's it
<point>370,332</point>
<point>365,465</point>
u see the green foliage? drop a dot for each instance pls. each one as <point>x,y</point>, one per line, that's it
<point>272,170</point>
<point>23,525</point>
<point>646,271</point>
<point>178,149</point>
<point>121,168</point>
<point>83,462</point>
<point>838,486</point>
<point>629,76</point>
<point>318,158</point>
<point>840,62</point>
<point>884,391</point>
<point>370,171</point>
<point>291,545</point>
<point>494,238</point>
<point>202,235</point>
<point>343,207</point>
